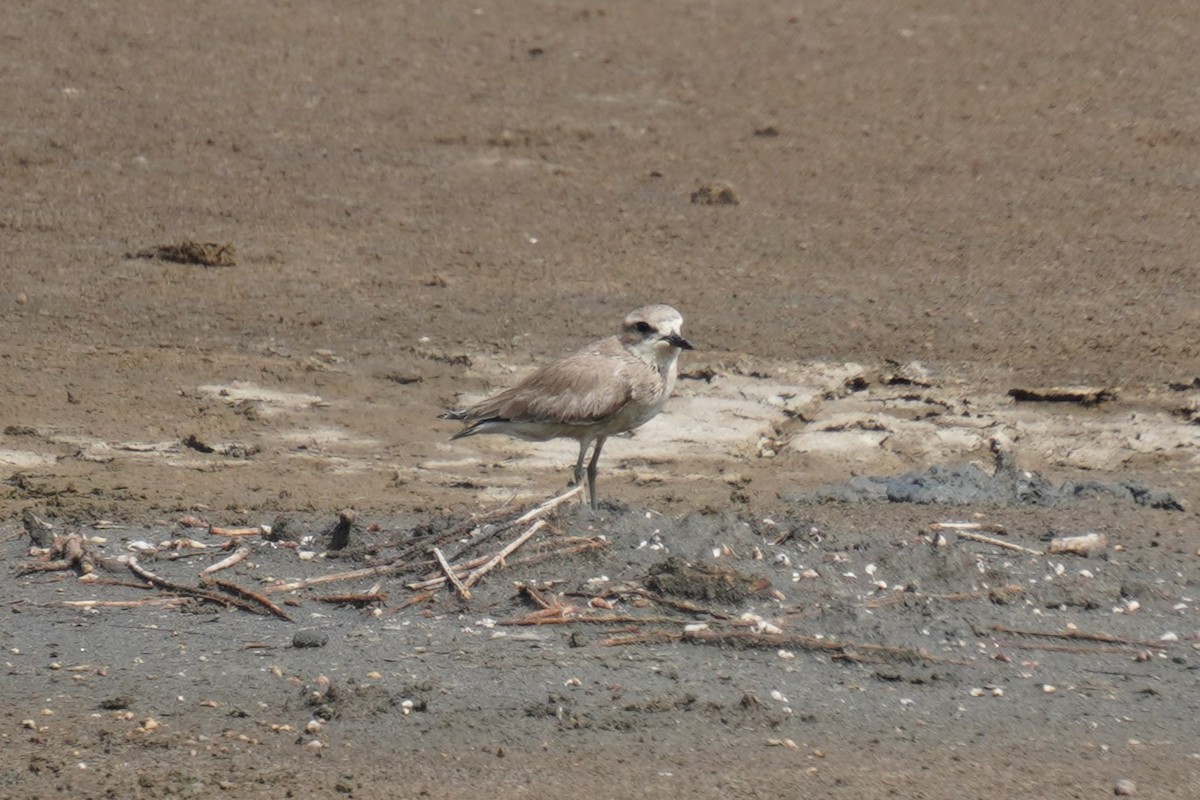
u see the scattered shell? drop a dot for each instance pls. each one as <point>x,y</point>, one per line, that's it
<point>1124,788</point>
<point>1049,689</point>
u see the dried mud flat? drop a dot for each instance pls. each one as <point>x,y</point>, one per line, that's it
<point>938,260</point>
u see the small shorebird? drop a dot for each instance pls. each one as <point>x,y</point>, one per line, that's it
<point>608,387</point>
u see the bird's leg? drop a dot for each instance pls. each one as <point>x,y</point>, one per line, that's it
<point>583,447</point>
<point>591,470</point>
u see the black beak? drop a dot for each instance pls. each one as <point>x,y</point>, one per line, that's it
<point>676,340</point>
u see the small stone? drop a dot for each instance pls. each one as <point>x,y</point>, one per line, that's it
<point>1124,788</point>
<point>310,639</point>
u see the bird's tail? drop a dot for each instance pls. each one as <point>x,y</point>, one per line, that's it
<point>460,415</point>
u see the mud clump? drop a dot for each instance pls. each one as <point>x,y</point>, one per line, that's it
<point>703,582</point>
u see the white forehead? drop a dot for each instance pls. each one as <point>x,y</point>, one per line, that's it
<point>661,317</point>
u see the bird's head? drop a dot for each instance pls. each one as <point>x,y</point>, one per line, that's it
<point>655,333</point>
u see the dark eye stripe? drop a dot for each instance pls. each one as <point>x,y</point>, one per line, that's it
<point>644,327</point>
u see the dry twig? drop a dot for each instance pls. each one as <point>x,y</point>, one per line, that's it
<point>1066,648</point>
<point>508,550</point>
<point>990,527</point>
<point>480,535</point>
<point>358,600</point>
<point>145,601</point>
<point>257,530</point>
<point>462,590</point>
<point>190,591</point>
<point>416,599</point>
<point>226,563</point>
<point>367,572</point>
<point>976,537</point>
<point>1104,638</point>
<point>251,597</point>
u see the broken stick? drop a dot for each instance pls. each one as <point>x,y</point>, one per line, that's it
<point>553,502</point>
<point>251,597</point>
<point>257,530</point>
<point>462,590</point>
<point>226,563</point>
<point>990,527</point>
<point>491,563</point>
<point>1086,636</point>
<point>977,537</point>
<point>481,535</point>
<point>175,588</point>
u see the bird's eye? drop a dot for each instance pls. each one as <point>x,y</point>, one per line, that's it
<point>644,327</point>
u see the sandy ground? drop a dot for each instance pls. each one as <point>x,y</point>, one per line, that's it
<point>937,204</point>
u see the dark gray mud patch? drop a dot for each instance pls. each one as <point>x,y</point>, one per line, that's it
<point>968,484</point>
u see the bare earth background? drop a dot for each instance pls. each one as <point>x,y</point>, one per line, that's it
<point>938,202</point>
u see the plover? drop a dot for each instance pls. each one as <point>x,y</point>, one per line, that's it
<point>608,387</point>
